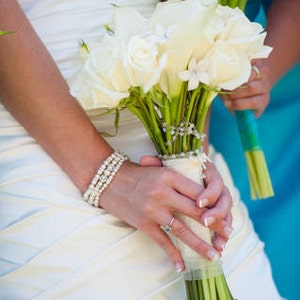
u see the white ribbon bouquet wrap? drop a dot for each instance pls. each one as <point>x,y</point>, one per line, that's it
<point>192,167</point>
<point>167,69</point>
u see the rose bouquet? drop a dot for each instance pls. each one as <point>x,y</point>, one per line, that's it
<point>167,69</point>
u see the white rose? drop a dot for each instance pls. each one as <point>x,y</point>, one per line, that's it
<point>223,57</point>
<point>238,30</point>
<point>142,62</point>
<point>101,82</point>
<point>226,67</point>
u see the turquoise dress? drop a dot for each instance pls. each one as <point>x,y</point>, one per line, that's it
<point>276,219</point>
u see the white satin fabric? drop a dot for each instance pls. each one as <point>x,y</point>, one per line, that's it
<point>53,245</point>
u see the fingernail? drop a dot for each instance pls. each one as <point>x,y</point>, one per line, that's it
<point>208,221</point>
<point>203,203</point>
<point>178,267</point>
<point>227,103</point>
<point>223,246</point>
<point>228,231</point>
<point>212,255</point>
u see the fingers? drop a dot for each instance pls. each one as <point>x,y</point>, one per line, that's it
<point>180,183</point>
<point>213,186</point>
<point>197,242</point>
<point>186,236</point>
<point>215,216</point>
<point>255,94</point>
<point>217,198</point>
<point>147,198</point>
<point>219,241</point>
<point>252,95</point>
<point>219,219</point>
<point>164,241</point>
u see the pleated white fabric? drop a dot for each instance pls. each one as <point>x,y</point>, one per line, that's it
<point>53,245</point>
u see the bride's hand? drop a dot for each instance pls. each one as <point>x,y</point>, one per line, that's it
<point>147,197</point>
<point>215,200</point>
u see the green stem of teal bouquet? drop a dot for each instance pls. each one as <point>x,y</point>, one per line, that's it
<point>258,173</point>
<point>259,179</point>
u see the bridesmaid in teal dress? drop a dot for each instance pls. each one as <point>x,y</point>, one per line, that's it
<point>276,219</point>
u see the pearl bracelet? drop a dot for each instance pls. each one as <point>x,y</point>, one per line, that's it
<point>104,177</point>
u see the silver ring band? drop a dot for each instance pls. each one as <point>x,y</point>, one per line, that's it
<point>168,228</point>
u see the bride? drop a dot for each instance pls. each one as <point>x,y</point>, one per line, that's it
<point>55,245</point>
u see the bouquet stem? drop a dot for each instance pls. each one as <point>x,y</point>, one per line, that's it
<point>259,178</point>
<point>208,282</point>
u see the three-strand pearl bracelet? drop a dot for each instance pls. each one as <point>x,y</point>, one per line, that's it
<point>104,177</point>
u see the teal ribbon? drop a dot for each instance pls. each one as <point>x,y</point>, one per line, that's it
<point>248,130</point>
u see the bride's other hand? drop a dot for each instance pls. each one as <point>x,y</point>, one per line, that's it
<point>217,201</point>
<point>255,94</point>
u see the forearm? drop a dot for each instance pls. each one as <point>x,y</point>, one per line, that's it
<point>34,91</point>
<point>283,29</point>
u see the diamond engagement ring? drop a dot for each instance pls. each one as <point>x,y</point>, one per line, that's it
<point>168,228</point>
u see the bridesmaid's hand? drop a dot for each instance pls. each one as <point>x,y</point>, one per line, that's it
<point>255,94</point>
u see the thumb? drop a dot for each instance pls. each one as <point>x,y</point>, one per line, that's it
<point>150,161</point>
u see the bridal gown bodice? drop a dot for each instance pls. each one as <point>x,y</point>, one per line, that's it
<point>53,245</point>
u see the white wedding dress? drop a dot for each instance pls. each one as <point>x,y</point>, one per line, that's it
<point>53,245</point>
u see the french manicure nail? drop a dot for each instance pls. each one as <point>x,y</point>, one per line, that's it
<point>223,246</point>
<point>228,231</point>
<point>178,267</point>
<point>203,203</point>
<point>212,255</point>
<point>208,221</point>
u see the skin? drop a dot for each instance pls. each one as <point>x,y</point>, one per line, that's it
<point>282,34</point>
<point>146,195</point>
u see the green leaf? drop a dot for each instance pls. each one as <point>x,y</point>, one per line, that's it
<point>84,46</point>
